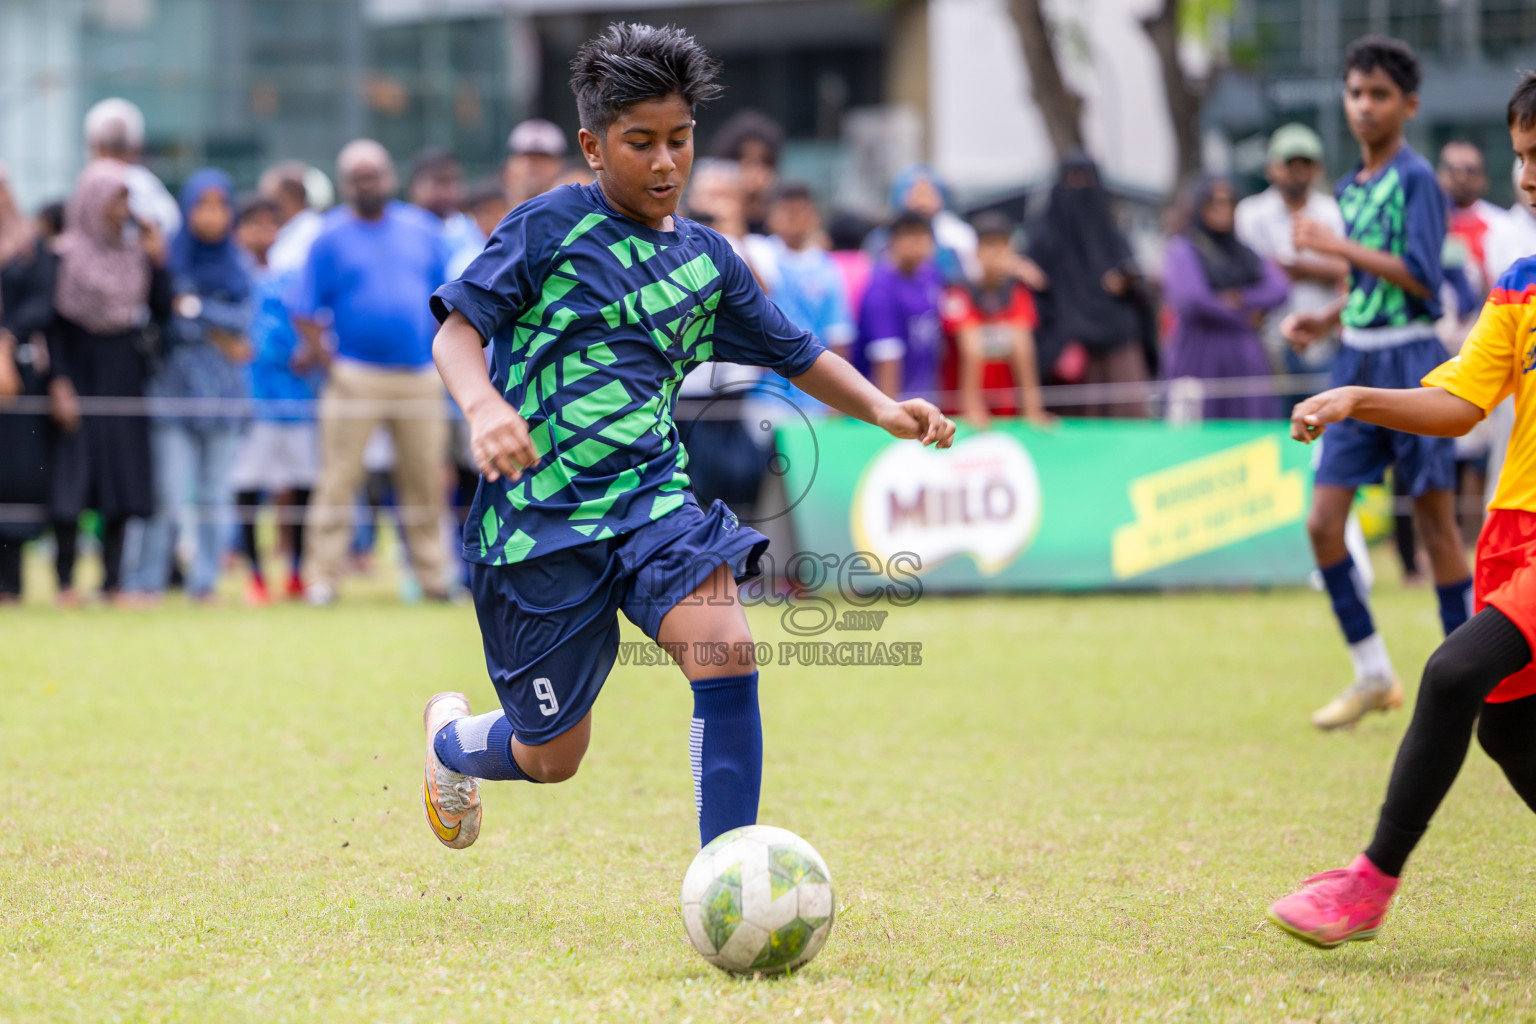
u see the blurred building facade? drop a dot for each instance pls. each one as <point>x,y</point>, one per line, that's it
<point>861,88</point>
<point>1285,66</point>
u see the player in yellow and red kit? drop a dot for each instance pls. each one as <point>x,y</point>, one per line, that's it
<point>1482,674</point>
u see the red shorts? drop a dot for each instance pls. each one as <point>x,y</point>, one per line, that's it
<point>1505,577</point>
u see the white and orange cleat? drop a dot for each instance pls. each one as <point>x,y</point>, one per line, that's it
<point>451,799</point>
<point>1379,693</point>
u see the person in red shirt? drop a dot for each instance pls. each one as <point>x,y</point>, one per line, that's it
<point>990,366</point>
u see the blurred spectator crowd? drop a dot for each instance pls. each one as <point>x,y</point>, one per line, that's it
<point>173,365</point>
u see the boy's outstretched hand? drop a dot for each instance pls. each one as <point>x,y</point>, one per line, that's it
<point>1310,418</point>
<point>917,418</point>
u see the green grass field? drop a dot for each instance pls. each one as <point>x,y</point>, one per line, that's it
<point>1076,809</point>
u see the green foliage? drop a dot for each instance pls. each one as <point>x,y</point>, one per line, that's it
<point>1197,17</point>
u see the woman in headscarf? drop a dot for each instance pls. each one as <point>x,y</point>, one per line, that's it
<point>1091,312</point>
<point>26,306</point>
<point>920,190</point>
<point>206,349</point>
<point>109,294</point>
<point>1219,290</point>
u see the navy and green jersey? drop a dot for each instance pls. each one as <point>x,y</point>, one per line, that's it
<point>1399,210</point>
<point>594,319</point>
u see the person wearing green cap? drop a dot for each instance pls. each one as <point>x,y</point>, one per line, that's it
<point>1264,224</point>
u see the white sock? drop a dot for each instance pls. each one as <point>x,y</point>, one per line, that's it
<point>1370,658</point>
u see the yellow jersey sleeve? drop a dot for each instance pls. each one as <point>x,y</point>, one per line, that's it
<point>1484,371</point>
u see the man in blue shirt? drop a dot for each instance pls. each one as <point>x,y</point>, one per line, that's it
<point>1394,218</point>
<point>361,306</point>
<point>597,300</point>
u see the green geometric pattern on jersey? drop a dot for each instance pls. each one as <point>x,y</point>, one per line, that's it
<point>574,434</point>
<point>1373,214</point>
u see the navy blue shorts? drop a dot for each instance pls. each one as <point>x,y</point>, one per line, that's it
<point>1354,453</point>
<point>550,625</point>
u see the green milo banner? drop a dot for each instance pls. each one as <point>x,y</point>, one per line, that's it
<point>1078,506</point>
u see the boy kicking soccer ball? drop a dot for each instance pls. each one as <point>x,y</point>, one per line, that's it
<point>1482,674</point>
<point>597,300</point>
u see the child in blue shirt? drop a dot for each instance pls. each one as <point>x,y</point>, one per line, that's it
<point>279,455</point>
<point>596,300</point>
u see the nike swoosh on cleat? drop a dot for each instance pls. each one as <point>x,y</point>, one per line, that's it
<point>444,833</point>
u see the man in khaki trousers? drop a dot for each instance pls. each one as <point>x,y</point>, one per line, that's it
<point>362,309</point>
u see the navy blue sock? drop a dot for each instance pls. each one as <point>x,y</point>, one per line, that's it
<point>725,746</point>
<point>480,746</point>
<point>1347,591</point>
<point>1455,604</point>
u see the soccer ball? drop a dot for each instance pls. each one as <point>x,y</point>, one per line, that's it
<point>758,900</point>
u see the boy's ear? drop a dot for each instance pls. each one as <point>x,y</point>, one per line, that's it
<point>591,148</point>
<point>1411,105</point>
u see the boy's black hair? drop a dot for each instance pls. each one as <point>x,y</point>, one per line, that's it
<point>909,221</point>
<point>794,192</point>
<point>1522,104</point>
<point>1393,56</point>
<point>432,161</point>
<point>628,63</point>
<point>993,224</point>
<point>746,126</point>
<point>254,205</point>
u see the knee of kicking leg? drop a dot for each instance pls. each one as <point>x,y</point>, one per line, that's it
<point>548,766</point>
<point>1448,679</point>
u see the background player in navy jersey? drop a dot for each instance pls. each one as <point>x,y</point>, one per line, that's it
<point>597,299</point>
<point>1394,217</point>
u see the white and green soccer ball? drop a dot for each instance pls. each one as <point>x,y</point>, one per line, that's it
<point>758,900</point>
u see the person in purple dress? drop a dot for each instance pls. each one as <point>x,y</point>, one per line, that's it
<point>1219,290</point>
<point>898,345</point>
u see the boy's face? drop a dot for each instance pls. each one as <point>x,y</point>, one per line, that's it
<point>910,249</point>
<point>757,171</point>
<point>644,157</point>
<point>995,254</point>
<point>1376,108</point>
<point>256,234</point>
<point>1523,141</point>
<point>795,221</point>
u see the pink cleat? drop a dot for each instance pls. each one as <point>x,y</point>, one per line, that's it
<point>1344,905</point>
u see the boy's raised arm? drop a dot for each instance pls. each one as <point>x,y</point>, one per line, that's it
<point>831,379</point>
<point>1432,411</point>
<point>497,434</point>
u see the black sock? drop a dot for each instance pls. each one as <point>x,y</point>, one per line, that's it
<point>66,538</point>
<point>10,567</point>
<point>112,533</point>
<point>300,503</point>
<point>248,503</point>
<point>1457,680</point>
